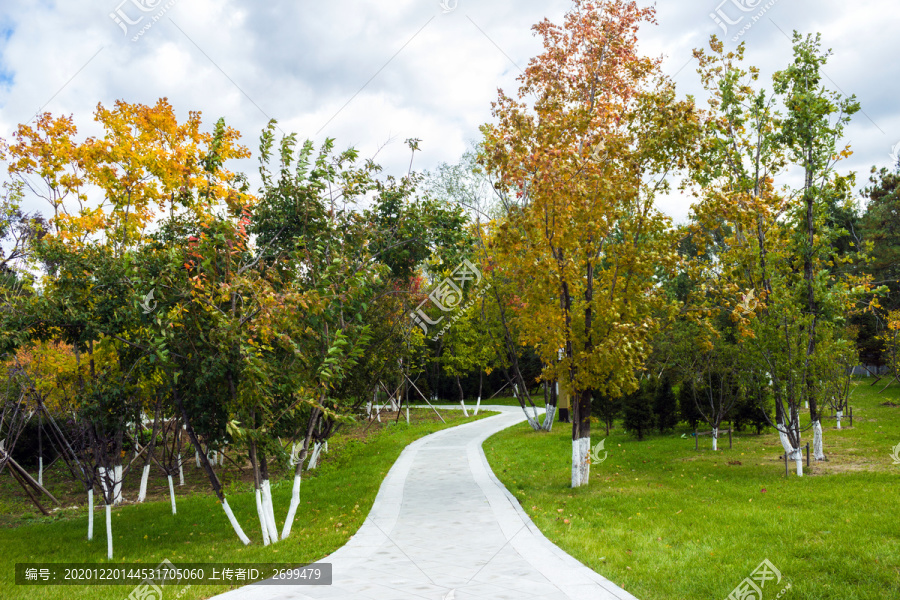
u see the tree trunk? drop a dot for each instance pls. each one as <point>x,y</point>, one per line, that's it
<point>268,508</point>
<point>839,415</point>
<point>550,402</point>
<point>531,421</point>
<point>462,401</point>
<point>817,441</point>
<point>480,382</point>
<point>715,439</point>
<point>314,459</point>
<point>118,484</point>
<point>101,475</point>
<point>171,492</point>
<point>142,495</point>
<point>213,480</point>
<point>792,452</point>
<point>40,450</point>
<point>257,488</point>
<point>109,537</point>
<point>581,439</point>
<point>180,471</point>
<point>262,518</point>
<point>292,509</point>
<point>298,469</point>
<point>90,493</point>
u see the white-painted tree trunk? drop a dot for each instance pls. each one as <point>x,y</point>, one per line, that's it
<point>101,475</point>
<point>109,539</point>
<point>798,461</point>
<point>222,458</point>
<point>314,459</point>
<point>142,494</point>
<point>793,453</point>
<point>117,486</point>
<point>715,438</point>
<point>534,424</point>
<point>839,415</point>
<point>477,405</point>
<point>180,471</point>
<point>818,451</point>
<point>234,523</point>
<point>262,517</point>
<point>269,508</point>
<point>40,470</point>
<point>463,404</point>
<point>549,415</point>
<point>407,413</point>
<point>197,458</point>
<point>172,493</point>
<point>91,514</point>
<point>581,466</point>
<point>326,446</point>
<point>292,509</point>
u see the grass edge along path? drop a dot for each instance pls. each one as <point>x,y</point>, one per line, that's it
<point>663,521</point>
<point>334,503</point>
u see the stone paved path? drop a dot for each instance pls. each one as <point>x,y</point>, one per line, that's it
<point>443,527</point>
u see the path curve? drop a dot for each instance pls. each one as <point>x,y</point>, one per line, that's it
<point>441,523</point>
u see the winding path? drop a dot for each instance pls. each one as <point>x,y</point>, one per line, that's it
<point>443,527</point>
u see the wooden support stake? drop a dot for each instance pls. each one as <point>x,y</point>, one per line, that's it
<point>27,491</point>
<point>24,474</point>
<point>500,390</point>
<point>696,441</point>
<point>729,438</point>
<point>807,455</point>
<point>785,465</point>
<point>425,399</point>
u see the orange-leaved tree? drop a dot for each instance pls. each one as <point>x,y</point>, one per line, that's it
<point>578,171</point>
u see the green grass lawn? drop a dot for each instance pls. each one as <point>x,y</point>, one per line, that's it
<point>335,500</point>
<point>666,522</point>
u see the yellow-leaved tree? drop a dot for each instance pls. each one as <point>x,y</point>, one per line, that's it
<point>578,171</point>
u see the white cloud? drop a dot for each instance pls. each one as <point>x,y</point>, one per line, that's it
<point>301,62</point>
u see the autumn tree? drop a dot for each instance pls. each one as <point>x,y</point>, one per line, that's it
<point>781,309</point>
<point>104,195</point>
<point>581,166</point>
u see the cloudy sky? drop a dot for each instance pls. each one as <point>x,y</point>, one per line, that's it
<point>367,72</point>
